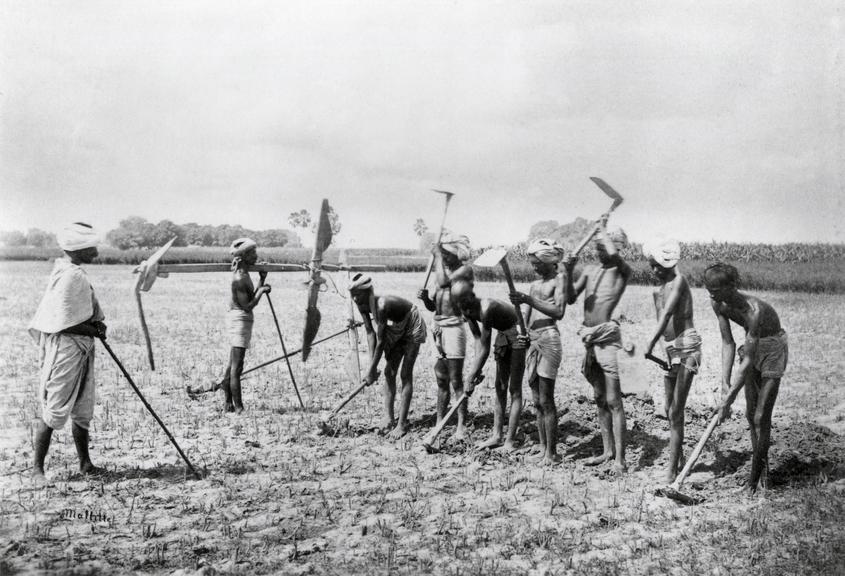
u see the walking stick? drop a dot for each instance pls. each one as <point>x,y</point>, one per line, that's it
<point>149,408</point>
<point>284,351</point>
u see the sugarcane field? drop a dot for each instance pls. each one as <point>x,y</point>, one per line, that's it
<point>337,288</point>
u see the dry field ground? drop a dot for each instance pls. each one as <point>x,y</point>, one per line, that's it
<point>278,497</point>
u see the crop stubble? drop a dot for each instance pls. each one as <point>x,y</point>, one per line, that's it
<point>280,497</point>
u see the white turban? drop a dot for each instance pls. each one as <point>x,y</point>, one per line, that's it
<point>546,250</point>
<point>360,283</point>
<point>618,237</point>
<point>78,236</point>
<point>456,244</point>
<point>241,246</point>
<point>664,251</point>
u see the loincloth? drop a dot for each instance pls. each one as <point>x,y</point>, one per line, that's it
<point>544,353</point>
<point>239,327</point>
<point>410,331</point>
<point>602,343</point>
<point>685,351</point>
<point>450,337</point>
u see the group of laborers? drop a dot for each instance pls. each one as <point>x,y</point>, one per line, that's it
<point>69,318</point>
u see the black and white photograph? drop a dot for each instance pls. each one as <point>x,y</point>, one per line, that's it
<point>458,288</point>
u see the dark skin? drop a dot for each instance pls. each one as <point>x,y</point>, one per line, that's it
<point>44,434</point>
<point>245,297</point>
<point>759,320</point>
<point>673,304</point>
<point>399,361</point>
<point>604,285</point>
<point>483,317</point>
<point>545,301</point>
<point>447,371</point>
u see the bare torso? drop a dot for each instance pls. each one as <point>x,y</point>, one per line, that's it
<point>682,315</point>
<point>497,314</point>
<point>392,308</point>
<point>243,290</point>
<point>543,290</point>
<point>602,292</point>
<point>768,322</point>
<point>443,305</point>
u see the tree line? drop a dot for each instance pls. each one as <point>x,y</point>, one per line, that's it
<point>137,232</point>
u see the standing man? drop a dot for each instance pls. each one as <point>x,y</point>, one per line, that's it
<point>604,285</point>
<point>65,325</point>
<point>763,359</point>
<point>450,337</point>
<point>673,305</point>
<point>395,329</point>
<point>546,302</point>
<point>509,351</point>
<point>239,318</point>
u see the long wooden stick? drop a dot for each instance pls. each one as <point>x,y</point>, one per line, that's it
<point>284,351</point>
<point>439,236</point>
<point>429,439</point>
<point>295,352</point>
<point>148,407</point>
<point>144,327</point>
<point>519,319</point>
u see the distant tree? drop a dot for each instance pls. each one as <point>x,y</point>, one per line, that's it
<point>543,229</point>
<point>132,232</point>
<point>301,219</point>
<point>164,231</point>
<point>334,221</point>
<point>13,238</point>
<point>40,239</point>
<point>420,227</point>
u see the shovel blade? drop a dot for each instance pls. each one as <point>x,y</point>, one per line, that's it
<point>491,257</point>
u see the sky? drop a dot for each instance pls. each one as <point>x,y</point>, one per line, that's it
<point>716,120</point>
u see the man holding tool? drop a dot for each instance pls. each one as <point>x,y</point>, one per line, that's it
<point>508,350</point>
<point>604,285</point>
<point>65,324</point>
<point>450,340</point>
<point>395,329</point>
<point>239,319</point>
<point>673,305</point>
<point>546,304</point>
<point>763,359</point>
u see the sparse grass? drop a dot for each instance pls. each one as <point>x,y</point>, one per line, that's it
<point>281,499</point>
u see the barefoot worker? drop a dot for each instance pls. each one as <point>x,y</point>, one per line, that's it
<point>239,318</point>
<point>65,325</point>
<point>546,303</point>
<point>604,285</point>
<point>673,304</point>
<point>509,351</point>
<point>763,359</point>
<point>450,337</point>
<point>396,329</point>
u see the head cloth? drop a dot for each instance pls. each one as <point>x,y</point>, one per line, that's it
<point>78,236</point>
<point>546,250</point>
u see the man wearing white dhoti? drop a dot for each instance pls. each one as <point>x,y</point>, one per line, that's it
<point>65,325</point>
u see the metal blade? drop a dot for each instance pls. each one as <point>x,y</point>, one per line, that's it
<point>608,189</point>
<point>312,325</point>
<point>491,257</point>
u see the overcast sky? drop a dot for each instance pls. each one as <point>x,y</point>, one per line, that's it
<point>715,119</point>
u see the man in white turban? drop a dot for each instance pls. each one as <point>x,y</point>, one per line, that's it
<point>450,339</point>
<point>239,320</point>
<point>603,286</point>
<point>395,329</point>
<point>665,252</point>
<point>65,324</point>
<point>542,308</point>
<point>673,305</point>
